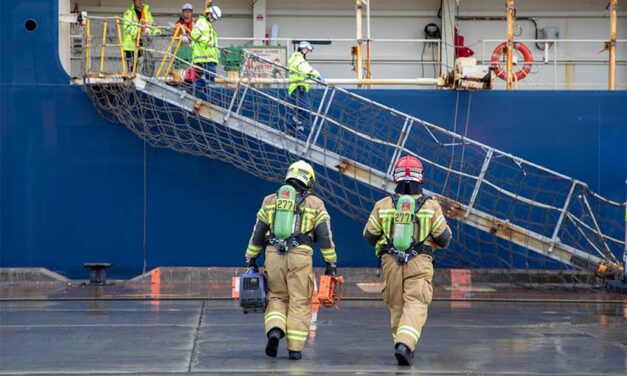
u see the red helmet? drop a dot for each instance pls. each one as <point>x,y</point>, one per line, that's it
<point>408,168</point>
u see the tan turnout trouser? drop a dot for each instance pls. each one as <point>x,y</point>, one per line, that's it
<point>290,287</point>
<point>407,292</point>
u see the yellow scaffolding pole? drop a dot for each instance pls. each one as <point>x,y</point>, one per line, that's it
<point>104,45</point>
<point>368,45</point>
<point>176,51</point>
<point>166,55</point>
<point>135,55</point>
<point>117,24</point>
<point>612,46</point>
<point>511,15</point>
<point>87,46</point>
<point>359,39</point>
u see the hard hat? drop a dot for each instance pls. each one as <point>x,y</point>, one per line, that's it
<point>187,6</point>
<point>305,44</point>
<point>408,168</point>
<point>303,172</point>
<point>214,11</point>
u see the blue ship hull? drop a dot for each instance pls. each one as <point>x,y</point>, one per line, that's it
<point>76,187</point>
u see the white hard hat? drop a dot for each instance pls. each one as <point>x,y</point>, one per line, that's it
<point>305,44</point>
<point>214,11</point>
<point>187,6</point>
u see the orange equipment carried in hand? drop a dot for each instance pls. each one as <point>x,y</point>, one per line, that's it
<point>330,290</point>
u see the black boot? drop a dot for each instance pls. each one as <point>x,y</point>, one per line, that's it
<point>272,346</point>
<point>295,355</point>
<point>404,357</point>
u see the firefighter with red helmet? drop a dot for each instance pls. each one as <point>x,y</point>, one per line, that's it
<point>405,229</point>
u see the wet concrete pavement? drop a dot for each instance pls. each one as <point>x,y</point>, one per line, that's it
<point>204,336</point>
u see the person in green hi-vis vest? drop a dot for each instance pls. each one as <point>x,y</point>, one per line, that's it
<point>136,19</point>
<point>205,50</point>
<point>300,72</point>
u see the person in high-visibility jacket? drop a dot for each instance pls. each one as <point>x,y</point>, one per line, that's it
<point>287,225</point>
<point>136,19</point>
<point>300,72</point>
<point>205,50</point>
<point>405,229</point>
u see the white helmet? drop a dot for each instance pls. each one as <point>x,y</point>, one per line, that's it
<point>187,6</point>
<point>305,44</point>
<point>214,11</point>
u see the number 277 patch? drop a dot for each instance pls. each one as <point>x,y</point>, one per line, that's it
<point>285,204</point>
<point>403,218</point>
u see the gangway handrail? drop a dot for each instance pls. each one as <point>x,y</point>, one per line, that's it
<point>451,134</point>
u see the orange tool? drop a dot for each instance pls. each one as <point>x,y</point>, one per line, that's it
<point>330,290</point>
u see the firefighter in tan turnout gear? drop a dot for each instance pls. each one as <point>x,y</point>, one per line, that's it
<point>405,229</point>
<point>288,224</point>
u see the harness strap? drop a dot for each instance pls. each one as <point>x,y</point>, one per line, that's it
<point>420,201</point>
<point>416,248</point>
<point>297,239</point>
<point>404,257</point>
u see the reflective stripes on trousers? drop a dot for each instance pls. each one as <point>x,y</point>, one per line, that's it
<point>413,333</point>
<point>297,335</point>
<point>274,316</point>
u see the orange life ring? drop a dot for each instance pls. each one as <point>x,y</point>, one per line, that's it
<point>519,73</point>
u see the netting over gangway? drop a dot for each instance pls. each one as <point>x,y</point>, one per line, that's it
<point>506,212</point>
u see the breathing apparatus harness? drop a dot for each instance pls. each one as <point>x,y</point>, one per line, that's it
<point>295,239</point>
<point>415,247</point>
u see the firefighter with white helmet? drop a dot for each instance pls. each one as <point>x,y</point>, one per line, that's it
<point>405,229</point>
<point>300,72</point>
<point>205,50</point>
<point>287,225</point>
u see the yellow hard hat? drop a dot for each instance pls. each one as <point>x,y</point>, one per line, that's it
<point>303,172</point>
